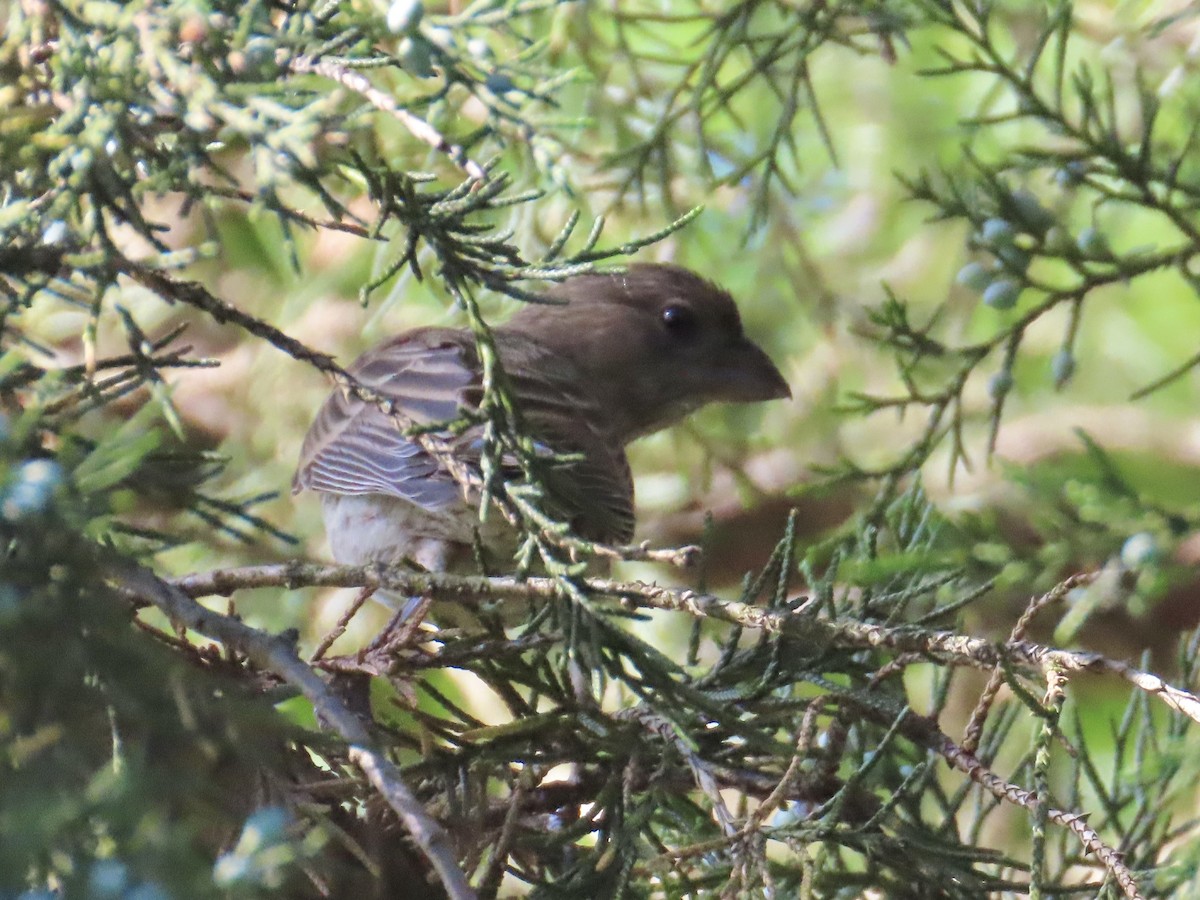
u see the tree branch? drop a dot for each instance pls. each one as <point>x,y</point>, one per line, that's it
<point>277,654</point>
<point>843,633</point>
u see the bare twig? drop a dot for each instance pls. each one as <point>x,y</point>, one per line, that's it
<point>418,127</point>
<point>974,729</point>
<point>343,621</point>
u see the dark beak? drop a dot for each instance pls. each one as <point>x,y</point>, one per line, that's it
<point>748,376</point>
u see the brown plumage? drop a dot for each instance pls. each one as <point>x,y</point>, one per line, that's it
<point>616,358</point>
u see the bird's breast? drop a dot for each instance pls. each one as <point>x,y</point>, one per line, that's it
<point>376,528</point>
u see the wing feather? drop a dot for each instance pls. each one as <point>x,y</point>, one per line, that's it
<point>354,448</point>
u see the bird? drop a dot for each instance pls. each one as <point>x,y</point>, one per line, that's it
<point>605,359</point>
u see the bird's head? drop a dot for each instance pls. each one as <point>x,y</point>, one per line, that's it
<point>655,343</point>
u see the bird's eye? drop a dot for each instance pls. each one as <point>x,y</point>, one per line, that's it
<point>680,321</point>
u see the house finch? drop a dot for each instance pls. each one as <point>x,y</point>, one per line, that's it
<point>610,359</point>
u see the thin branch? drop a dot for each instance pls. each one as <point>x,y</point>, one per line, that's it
<point>969,764</point>
<point>418,127</point>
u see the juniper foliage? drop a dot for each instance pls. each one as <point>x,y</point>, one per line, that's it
<point>798,736</point>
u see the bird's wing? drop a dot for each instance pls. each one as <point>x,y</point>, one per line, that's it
<point>594,492</point>
<point>595,496</point>
<point>354,448</point>
<point>432,375</point>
